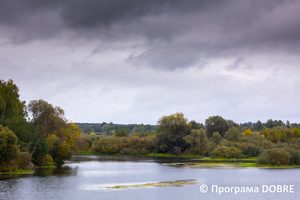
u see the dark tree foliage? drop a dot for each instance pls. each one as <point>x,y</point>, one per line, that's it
<point>46,120</point>
<point>274,156</point>
<point>258,126</point>
<point>105,128</point>
<point>233,134</point>
<point>8,144</point>
<point>122,132</point>
<point>216,124</point>
<point>40,152</point>
<point>270,123</point>
<point>13,110</point>
<point>170,132</point>
<point>195,125</point>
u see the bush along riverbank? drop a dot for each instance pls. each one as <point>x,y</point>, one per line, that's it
<point>268,144</point>
<point>48,138</point>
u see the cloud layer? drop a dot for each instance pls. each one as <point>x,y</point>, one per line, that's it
<point>134,61</point>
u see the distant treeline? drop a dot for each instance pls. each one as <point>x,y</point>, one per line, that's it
<point>145,129</point>
<point>258,126</point>
<point>274,143</point>
<point>111,128</point>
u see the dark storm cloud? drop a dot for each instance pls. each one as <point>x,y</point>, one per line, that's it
<point>176,33</point>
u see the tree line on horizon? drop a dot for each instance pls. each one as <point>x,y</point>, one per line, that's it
<point>107,129</point>
<point>39,134</point>
<point>278,145</point>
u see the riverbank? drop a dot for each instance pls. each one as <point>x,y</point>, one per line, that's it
<point>224,165</point>
<point>21,171</point>
<point>203,162</point>
<point>191,157</point>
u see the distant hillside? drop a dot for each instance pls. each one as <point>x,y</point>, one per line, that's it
<point>107,128</point>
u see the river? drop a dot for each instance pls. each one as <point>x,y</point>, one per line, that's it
<point>96,177</point>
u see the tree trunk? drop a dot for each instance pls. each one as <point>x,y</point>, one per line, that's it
<point>36,145</point>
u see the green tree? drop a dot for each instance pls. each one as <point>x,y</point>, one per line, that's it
<point>288,124</point>
<point>45,120</point>
<point>59,150</point>
<point>233,134</point>
<point>198,141</point>
<point>170,132</point>
<point>216,124</point>
<point>12,110</point>
<point>216,138</point>
<point>195,125</point>
<point>40,152</point>
<point>8,149</point>
<point>258,126</point>
<point>122,132</point>
<point>8,144</point>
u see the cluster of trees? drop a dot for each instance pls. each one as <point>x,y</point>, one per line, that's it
<point>270,123</point>
<point>37,133</point>
<point>219,137</point>
<point>106,129</point>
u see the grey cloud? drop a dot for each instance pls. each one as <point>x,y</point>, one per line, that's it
<point>176,33</point>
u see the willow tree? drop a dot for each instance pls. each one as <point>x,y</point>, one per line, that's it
<point>45,119</point>
<point>170,132</point>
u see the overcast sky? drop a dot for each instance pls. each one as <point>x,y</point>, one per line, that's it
<point>133,61</point>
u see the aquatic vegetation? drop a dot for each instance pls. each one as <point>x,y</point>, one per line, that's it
<point>177,183</point>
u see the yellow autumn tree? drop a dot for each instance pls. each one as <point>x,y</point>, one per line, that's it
<point>247,132</point>
<point>71,133</point>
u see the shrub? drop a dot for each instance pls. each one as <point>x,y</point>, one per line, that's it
<point>8,145</point>
<point>24,160</point>
<point>121,133</point>
<point>253,150</point>
<point>47,160</point>
<point>228,152</point>
<point>273,157</point>
<point>295,156</point>
<point>176,150</point>
<point>9,166</point>
<point>144,150</point>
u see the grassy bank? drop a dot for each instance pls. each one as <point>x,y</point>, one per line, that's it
<point>226,165</point>
<point>20,171</point>
<point>169,155</point>
<point>205,162</point>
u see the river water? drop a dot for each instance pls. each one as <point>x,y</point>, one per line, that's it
<point>87,177</point>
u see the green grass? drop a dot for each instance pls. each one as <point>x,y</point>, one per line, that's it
<point>249,165</point>
<point>173,155</point>
<point>19,171</point>
<point>239,162</point>
<point>169,155</point>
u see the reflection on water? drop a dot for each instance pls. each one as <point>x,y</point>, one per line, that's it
<point>87,171</point>
<point>116,158</point>
<point>62,171</point>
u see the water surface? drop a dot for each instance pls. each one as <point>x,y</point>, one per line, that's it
<point>85,175</point>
